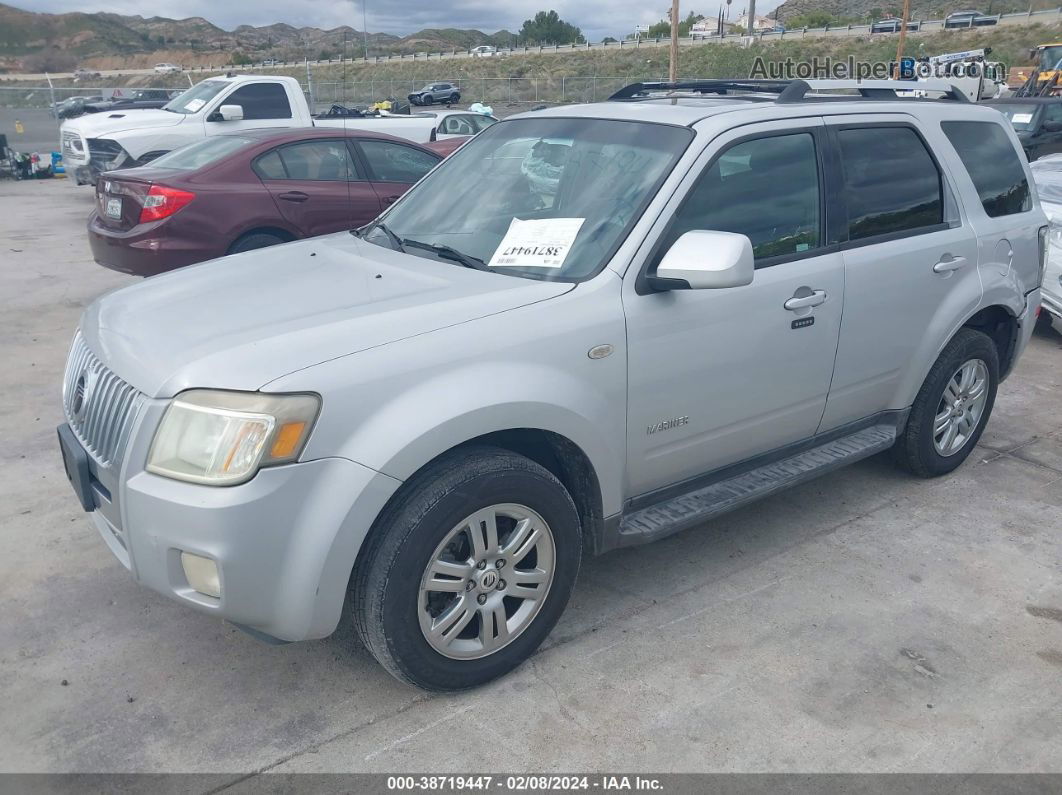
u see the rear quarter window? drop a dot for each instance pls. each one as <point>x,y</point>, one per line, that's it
<point>993,165</point>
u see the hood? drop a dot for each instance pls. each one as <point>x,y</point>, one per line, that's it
<point>95,125</point>
<point>241,321</point>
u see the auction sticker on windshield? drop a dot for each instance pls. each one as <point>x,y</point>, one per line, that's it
<point>1022,118</point>
<point>541,243</point>
<point>194,104</point>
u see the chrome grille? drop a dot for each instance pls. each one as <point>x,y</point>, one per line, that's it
<point>99,405</point>
<point>72,144</point>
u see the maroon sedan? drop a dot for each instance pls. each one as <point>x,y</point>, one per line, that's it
<point>233,193</point>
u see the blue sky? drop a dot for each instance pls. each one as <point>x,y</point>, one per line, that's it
<point>597,18</point>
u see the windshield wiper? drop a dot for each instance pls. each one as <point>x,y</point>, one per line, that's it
<point>447,252</point>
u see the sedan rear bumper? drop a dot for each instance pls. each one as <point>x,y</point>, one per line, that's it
<point>147,249</point>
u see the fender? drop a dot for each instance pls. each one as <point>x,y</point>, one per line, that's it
<point>386,413</point>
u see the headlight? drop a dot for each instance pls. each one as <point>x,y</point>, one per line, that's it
<point>224,438</point>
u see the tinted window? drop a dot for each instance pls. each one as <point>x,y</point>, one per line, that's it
<point>261,101</point>
<point>891,182</point>
<point>270,166</point>
<point>397,163</point>
<point>201,153</point>
<point>327,161</point>
<point>993,165</point>
<point>1053,112</point>
<point>766,189</point>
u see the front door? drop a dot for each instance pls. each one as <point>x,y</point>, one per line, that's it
<point>719,376</point>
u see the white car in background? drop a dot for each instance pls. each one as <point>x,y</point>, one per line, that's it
<point>167,68</point>
<point>1047,173</point>
<point>484,51</point>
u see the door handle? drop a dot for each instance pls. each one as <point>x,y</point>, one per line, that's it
<point>294,196</point>
<point>949,265</point>
<point>817,297</point>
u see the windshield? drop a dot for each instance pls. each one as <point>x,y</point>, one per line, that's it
<point>201,153</point>
<point>192,100</point>
<point>1049,57</point>
<point>1021,116</point>
<point>543,198</point>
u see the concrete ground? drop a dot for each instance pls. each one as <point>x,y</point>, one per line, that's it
<point>866,621</point>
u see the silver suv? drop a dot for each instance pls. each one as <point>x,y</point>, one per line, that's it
<point>590,328</point>
<point>446,93</point>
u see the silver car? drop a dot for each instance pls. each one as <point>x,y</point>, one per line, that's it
<point>591,327</point>
<point>445,93</point>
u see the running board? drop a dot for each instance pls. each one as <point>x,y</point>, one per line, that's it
<point>694,507</point>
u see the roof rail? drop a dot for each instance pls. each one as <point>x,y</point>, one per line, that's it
<point>788,91</point>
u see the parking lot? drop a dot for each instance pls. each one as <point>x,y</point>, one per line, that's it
<point>865,621</point>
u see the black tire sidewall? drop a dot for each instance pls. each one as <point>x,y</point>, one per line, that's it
<point>967,345</point>
<point>243,244</point>
<point>418,661</point>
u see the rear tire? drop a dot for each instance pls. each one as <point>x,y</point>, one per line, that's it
<point>429,630</point>
<point>255,240</point>
<point>952,407</point>
<point>455,98</point>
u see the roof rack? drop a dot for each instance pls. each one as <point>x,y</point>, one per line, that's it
<point>789,91</point>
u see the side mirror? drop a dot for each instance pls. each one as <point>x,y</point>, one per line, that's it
<point>229,113</point>
<point>703,260</point>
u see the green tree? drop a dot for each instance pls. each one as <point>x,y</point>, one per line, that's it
<point>662,29</point>
<point>546,27</point>
<point>238,58</point>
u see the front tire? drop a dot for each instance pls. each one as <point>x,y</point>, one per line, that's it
<point>467,572</point>
<point>952,407</point>
<point>426,99</point>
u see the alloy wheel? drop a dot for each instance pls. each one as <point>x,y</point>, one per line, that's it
<point>486,581</point>
<point>961,407</point>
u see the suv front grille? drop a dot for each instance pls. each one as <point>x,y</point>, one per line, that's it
<point>72,145</point>
<point>99,405</point>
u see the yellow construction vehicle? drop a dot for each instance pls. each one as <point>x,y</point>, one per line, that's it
<point>1043,78</point>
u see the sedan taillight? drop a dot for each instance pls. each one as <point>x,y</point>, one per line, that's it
<point>162,202</point>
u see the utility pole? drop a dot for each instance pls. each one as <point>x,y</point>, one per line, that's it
<point>365,25</point>
<point>903,36</point>
<point>672,71</point>
<point>752,18</point>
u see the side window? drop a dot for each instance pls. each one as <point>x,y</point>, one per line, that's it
<point>765,188</point>
<point>891,182</point>
<point>1053,112</point>
<point>261,101</point>
<point>327,161</point>
<point>458,125</point>
<point>269,166</point>
<point>993,165</point>
<point>397,163</point>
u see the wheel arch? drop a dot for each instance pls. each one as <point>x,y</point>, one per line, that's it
<point>1001,326</point>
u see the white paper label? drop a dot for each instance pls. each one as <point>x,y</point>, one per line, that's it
<point>1022,118</point>
<point>194,104</point>
<point>541,243</point>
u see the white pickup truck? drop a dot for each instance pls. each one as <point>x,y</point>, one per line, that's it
<point>127,138</point>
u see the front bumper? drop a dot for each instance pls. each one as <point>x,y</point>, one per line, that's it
<point>284,543</point>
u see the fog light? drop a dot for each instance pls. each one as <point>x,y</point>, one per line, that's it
<point>202,574</point>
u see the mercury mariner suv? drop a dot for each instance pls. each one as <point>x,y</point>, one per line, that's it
<point>591,327</point>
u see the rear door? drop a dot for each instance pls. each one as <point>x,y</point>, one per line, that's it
<point>310,183</point>
<point>393,167</point>
<point>910,261</point>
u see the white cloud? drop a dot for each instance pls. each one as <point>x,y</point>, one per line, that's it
<point>597,18</point>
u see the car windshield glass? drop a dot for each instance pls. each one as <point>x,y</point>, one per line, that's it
<point>1049,58</point>
<point>1021,116</point>
<point>192,100</point>
<point>201,153</point>
<point>544,198</point>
